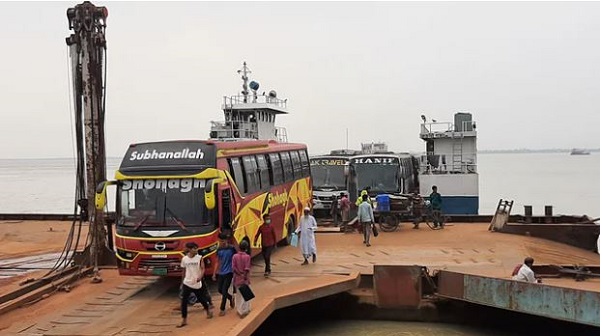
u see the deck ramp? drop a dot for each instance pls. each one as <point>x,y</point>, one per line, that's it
<point>561,303</point>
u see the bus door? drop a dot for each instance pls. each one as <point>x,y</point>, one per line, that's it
<point>225,208</point>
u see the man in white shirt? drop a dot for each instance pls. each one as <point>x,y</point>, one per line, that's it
<point>306,229</point>
<point>525,273</point>
<point>193,270</point>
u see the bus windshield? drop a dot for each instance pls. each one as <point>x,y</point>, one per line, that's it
<point>380,178</point>
<point>328,177</point>
<point>162,202</point>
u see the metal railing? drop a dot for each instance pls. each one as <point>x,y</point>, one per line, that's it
<point>227,130</point>
<point>244,130</point>
<point>442,127</point>
<point>453,168</point>
<point>229,102</point>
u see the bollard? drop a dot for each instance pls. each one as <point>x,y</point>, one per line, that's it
<point>548,213</point>
<point>528,213</point>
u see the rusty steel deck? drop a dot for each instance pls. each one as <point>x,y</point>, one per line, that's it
<point>469,249</point>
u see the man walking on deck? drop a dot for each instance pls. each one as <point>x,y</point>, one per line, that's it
<point>223,271</point>
<point>192,274</point>
<point>436,203</point>
<point>306,229</point>
<point>241,265</point>
<point>366,218</point>
<point>268,242</point>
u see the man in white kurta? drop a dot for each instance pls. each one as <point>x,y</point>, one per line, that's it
<point>306,229</point>
<point>525,273</point>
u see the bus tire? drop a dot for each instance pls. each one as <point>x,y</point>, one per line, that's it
<point>290,225</point>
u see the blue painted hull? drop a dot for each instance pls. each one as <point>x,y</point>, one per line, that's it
<point>460,205</point>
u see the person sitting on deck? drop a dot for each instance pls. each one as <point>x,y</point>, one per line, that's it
<point>525,273</point>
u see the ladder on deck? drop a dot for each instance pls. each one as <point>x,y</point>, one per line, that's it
<point>501,215</point>
<point>457,152</point>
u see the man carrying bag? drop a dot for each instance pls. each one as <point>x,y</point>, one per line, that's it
<point>366,218</point>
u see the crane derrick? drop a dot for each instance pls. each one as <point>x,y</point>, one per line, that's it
<point>87,47</point>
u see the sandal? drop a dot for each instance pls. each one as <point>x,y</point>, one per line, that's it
<point>181,325</point>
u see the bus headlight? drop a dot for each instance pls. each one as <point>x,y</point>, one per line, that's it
<point>127,255</point>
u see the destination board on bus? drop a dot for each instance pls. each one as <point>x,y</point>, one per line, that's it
<point>192,155</point>
<point>329,162</point>
<point>376,160</point>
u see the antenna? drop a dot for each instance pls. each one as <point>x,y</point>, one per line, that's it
<point>245,89</point>
<point>347,138</point>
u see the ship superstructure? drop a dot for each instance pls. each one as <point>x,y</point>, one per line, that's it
<point>250,115</point>
<point>450,163</point>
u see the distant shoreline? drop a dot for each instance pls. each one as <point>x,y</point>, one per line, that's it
<point>527,151</point>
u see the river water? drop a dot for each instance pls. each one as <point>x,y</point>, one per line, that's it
<point>569,183</point>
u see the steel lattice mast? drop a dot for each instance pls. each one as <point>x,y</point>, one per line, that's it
<point>87,46</point>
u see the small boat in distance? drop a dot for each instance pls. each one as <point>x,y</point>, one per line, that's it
<point>578,151</point>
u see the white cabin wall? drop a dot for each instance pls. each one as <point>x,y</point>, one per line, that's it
<point>450,184</point>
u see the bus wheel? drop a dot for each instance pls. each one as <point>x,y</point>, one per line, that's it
<point>290,226</point>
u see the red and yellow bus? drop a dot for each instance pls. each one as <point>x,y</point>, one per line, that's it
<point>174,192</point>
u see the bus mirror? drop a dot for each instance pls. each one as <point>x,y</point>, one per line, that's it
<point>210,195</point>
<point>346,170</point>
<point>100,199</point>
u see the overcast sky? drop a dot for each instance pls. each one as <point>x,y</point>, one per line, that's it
<point>528,72</point>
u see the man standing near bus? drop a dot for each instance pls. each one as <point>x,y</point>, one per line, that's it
<point>366,218</point>
<point>268,242</point>
<point>417,208</point>
<point>222,271</point>
<point>436,203</point>
<point>306,229</point>
<point>345,206</point>
<point>193,269</point>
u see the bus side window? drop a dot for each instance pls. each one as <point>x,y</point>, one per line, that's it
<point>276,169</point>
<point>250,167</point>
<point>238,176</point>
<point>296,164</point>
<point>287,166</point>
<point>264,174</point>
<point>304,162</point>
